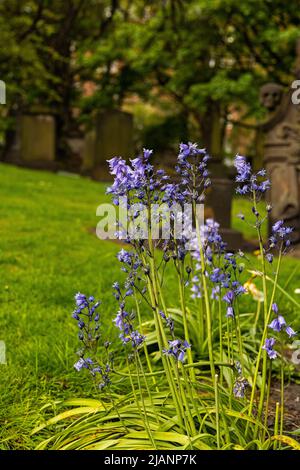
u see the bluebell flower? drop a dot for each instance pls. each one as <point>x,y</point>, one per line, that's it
<point>170,324</point>
<point>229,312</point>
<point>243,169</point>
<point>229,297</point>
<point>240,386</point>
<point>177,349</point>
<point>290,332</point>
<point>80,299</point>
<point>269,257</point>
<point>280,233</point>
<point>275,308</point>
<point>192,168</point>
<point>125,256</point>
<point>215,292</point>
<point>137,339</point>
<point>248,180</point>
<point>268,346</point>
<point>87,318</point>
<point>195,289</point>
<point>83,363</point>
<point>278,323</point>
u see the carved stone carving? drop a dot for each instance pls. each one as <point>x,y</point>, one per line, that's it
<point>281,149</point>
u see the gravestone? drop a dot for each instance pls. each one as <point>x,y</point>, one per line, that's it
<point>281,152</point>
<point>89,151</point>
<point>113,137</point>
<point>34,142</point>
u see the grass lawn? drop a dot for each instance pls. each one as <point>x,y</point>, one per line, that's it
<point>48,252</point>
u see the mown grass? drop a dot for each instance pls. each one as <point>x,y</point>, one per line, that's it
<point>49,251</point>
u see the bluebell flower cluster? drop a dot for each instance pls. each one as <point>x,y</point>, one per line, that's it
<point>196,292</point>
<point>278,323</point>
<point>100,373</point>
<point>192,168</point>
<point>87,318</point>
<point>240,387</point>
<point>139,181</point>
<point>229,298</point>
<point>269,347</point>
<point>280,234</point>
<point>241,384</point>
<point>124,320</point>
<point>212,243</point>
<point>221,266</point>
<point>249,182</point>
<point>177,349</point>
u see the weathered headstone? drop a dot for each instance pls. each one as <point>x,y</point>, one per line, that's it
<point>114,137</point>
<point>281,153</point>
<point>37,140</point>
<point>89,151</point>
<point>33,142</point>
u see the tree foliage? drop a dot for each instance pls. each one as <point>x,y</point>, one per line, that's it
<point>198,58</point>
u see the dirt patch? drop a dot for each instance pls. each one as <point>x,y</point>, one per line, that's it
<point>291,405</point>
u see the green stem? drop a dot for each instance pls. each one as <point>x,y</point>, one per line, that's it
<point>276,425</point>
<point>220,335</point>
<point>186,366</point>
<point>143,415</point>
<point>267,402</point>
<point>185,322</point>
<point>261,351</point>
<point>148,390</point>
<point>281,390</point>
<point>206,298</point>
<point>217,410</point>
<point>190,392</point>
<point>162,340</point>
<point>190,425</point>
<point>144,344</point>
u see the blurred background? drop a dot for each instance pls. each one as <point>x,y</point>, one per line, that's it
<point>146,73</point>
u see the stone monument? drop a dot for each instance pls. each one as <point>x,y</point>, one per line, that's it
<point>113,137</point>
<point>281,152</point>
<point>34,142</point>
<point>37,141</point>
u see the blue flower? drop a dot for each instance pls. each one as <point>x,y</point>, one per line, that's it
<point>278,323</point>
<point>240,386</point>
<point>248,179</point>
<point>230,312</point>
<point>275,308</point>
<point>280,233</point>
<point>137,339</point>
<point>125,256</point>
<point>177,349</point>
<point>80,299</point>
<point>269,257</point>
<point>268,346</point>
<point>229,297</point>
<point>290,332</point>
<point>243,169</point>
<point>83,364</point>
